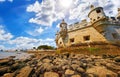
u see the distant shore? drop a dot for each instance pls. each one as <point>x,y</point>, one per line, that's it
<point>18,55</point>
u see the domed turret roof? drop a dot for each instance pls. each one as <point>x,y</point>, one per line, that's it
<point>63,22</point>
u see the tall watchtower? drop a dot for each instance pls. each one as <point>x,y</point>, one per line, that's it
<point>118,16</point>
<point>63,29</point>
<point>97,18</point>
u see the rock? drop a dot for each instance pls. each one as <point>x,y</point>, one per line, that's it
<point>84,65</point>
<point>46,67</point>
<point>4,70</point>
<point>39,63</point>
<point>118,73</point>
<point>65,67</point>
<point>90,75</point>
<point>32,56</point>
<point>101,72</point>
<point>50,74</point>
<point>8,75</point>
<point>113,66</point>
<point>4,61</point>
<point>89,65</point>
<point>117,59</point>
<point>75,76</point>
<point>74,66</point>
<point>44,56</point>
<point>67,54</point>
<point>75,62</point>
<point>25,72</point>
<point>97,63</point>
<point>15,66</point>
<point>80,70</point>
<point>69,72</point>
<point>12,57</point>
<point>47,60</point>
<point>57,60</point>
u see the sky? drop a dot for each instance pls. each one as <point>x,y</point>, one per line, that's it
<point>25,24</point>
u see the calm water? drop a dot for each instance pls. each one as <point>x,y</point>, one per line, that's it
<point>19,55</point>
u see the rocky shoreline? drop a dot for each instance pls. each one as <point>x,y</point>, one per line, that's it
<point>61,65</point>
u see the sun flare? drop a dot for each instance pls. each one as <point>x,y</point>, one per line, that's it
<point>65,3</point>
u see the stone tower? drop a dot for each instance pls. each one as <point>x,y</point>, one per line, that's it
<point>118,16</point>
<point>97,18</point>
<point>63,29</point>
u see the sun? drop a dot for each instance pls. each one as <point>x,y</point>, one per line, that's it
<point>65,3</point>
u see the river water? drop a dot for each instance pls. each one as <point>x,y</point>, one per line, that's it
<point>19,55</point>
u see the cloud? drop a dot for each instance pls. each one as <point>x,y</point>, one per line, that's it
<point>6,0</point>
<point>2,0</point>
<point>8,42</point>
<point>58,25</point>
<point>2,47</point>
<point>49,11</point>
<point>4,35</point>
<point>36,31</point>
<point>10,0</point>
<point>27,43</point>
<point>46,12</point>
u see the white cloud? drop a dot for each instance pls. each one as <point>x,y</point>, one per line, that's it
<point>46,12</point>
<point>2,0</point>
<point>6,0</point>
<point>2,47</point>
<point>10,0</point>
<point>4,35</point>
<point>34,8</point>
<point>36,32</point>
<point>58,25</point>
<point>8,42</point>
<point>49,11</point>
<point>26,43</point>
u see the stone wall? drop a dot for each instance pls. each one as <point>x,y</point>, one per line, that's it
<point>78,36</point>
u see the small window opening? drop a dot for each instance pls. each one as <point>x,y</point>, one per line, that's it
<point>98,17</point>
<point>60,42</point>
<point>86,38</point>
<point>98,11</point>
<point>113,18</point>
<point>72,40</point>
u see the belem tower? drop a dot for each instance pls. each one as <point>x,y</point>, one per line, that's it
<point>100,29</point>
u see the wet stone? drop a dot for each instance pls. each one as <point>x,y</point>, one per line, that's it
<point>25,72</point>
<point>9,75</point>
<point>51,74</point>
<point>69,72</point>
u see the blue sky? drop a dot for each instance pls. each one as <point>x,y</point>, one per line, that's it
<point>28,23</point>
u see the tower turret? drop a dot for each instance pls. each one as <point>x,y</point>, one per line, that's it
<point>96,14</point>
<point>118,16</point>
<point>63,29</point>
<point>97,18</point>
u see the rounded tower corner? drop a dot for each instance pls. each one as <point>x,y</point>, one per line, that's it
<point>118,15</point>
<point>96,13</point>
